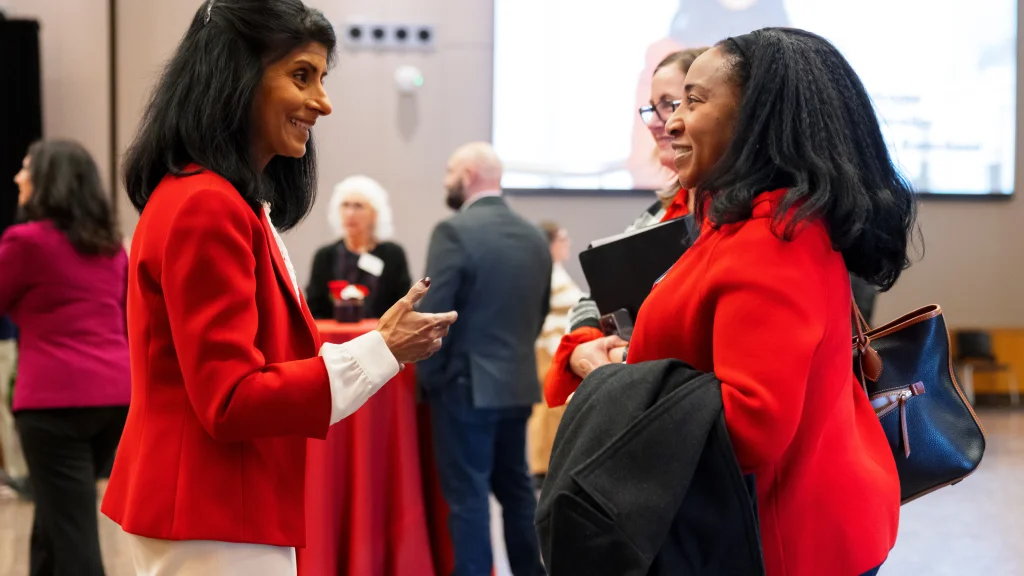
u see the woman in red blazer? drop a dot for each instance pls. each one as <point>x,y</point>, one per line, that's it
<point>794,186</point>
<point>229,377</point>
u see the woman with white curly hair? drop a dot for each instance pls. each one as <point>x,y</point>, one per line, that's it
<point>360,215</point>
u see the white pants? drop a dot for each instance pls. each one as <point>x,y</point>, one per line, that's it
<point>14,460</point>
<point>208,558</point>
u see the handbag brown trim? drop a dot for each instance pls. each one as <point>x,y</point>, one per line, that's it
<point>920,315</point>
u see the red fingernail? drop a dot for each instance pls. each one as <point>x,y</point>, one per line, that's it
<point>426,282</point>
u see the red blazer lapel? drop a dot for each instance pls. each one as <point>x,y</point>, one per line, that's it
<point>285,279</point>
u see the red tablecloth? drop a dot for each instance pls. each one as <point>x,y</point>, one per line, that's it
<point>373,505</point>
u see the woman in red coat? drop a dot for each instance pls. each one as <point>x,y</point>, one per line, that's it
<point>229,377</point>
<point>794,186</point>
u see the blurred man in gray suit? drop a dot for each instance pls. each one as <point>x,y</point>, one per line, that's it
<point>493,268</point>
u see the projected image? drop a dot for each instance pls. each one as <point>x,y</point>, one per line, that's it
<point>569,76</point>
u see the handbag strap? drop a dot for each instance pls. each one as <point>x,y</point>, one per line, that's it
<point>858,317</point>
<point>870,361</point>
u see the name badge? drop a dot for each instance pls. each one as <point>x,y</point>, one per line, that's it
<point>371,264</point>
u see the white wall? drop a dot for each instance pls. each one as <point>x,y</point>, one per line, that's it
<point>147,33</point>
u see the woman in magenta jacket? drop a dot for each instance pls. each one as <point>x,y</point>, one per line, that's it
<point>62,281</point>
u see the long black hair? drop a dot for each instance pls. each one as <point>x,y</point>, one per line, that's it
<point>806,123</point>
<point>201,109</point>
<point>67,191</point>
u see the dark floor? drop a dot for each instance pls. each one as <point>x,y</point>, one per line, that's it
<point>974,528</point>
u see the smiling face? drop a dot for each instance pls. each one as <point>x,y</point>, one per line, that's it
<point>666,86</point>
<point>290,99</point>
<point>702,128</point>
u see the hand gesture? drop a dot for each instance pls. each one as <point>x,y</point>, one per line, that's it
<point>410,335</point>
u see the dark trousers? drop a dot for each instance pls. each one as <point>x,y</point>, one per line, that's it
<point>66,450</point>
<point>872,572</point>
<point>480,451</point>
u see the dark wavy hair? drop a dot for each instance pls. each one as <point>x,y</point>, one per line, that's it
<point>806,123</point>
<point>201,109</point>
<point>67,191</point>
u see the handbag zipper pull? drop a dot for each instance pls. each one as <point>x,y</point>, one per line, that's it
<point>916,389</point>
<point>903,422</point>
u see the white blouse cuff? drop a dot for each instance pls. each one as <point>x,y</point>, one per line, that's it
<point>357,369</point>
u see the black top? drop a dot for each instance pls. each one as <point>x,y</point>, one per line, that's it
<point>336,262</point>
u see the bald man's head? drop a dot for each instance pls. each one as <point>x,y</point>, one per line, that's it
<point>472,169</point>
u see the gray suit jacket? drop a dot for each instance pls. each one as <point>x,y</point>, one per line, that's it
<point>494,268</point>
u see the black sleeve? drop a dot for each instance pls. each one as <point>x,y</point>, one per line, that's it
<point>402,279</point>
<point>395,281</point>
<point>318,297</point>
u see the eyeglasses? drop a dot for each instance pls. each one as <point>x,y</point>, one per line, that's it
<point>662,110</point>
